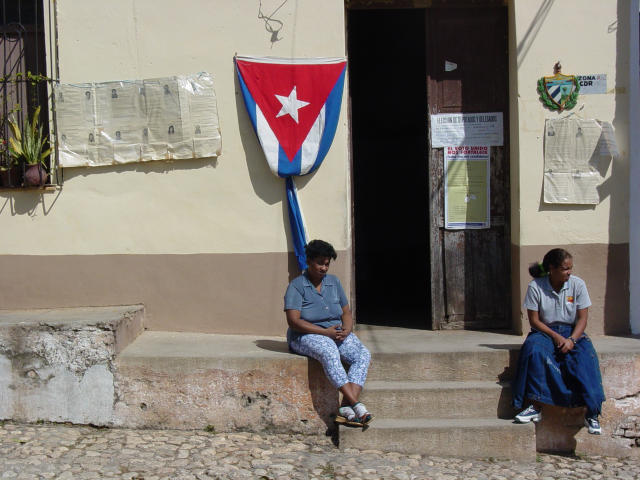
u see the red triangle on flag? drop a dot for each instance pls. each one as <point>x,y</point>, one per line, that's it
<point>283,91</point>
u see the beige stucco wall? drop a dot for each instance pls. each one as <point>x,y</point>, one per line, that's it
<point>587,38</point>
<point>229,205</point>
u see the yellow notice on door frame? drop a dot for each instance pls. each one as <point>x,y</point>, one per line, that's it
<point>467,187</point>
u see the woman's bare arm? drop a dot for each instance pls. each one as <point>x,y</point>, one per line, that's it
<point>581,323</point>
<point>302,326</point>
<point>539,325</point>
<point>347,323</point>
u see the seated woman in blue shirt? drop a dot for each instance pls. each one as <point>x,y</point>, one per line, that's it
<point>320,325</point>
<point>558,364</point>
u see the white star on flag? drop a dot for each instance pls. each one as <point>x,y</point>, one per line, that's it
<point>290,105</point>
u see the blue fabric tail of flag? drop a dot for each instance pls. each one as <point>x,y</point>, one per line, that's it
<point>298,233</point>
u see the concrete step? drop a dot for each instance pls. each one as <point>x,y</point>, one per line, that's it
<point>58,364</point>
<point>466,438</point>
<point>438,399</point>
<point>452,366</point>
<point>231,382</point>
<point>458,355</point>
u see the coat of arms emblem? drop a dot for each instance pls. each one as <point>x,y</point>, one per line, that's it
<point>559,92</point>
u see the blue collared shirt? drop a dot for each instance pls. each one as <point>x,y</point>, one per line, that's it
<point>323,308</point>
<point>555,306</point>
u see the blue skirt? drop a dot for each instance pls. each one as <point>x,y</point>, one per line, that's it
<point>549,376</point>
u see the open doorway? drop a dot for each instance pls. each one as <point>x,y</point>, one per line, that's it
<point>388,88</point>
<point>405,65</point>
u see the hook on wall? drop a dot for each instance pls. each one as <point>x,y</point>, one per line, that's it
<point>272,25</point>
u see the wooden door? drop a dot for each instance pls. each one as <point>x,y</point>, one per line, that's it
<point>470,269</point>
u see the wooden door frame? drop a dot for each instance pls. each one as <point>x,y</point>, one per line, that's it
<point>436,286</point>
<point>436,187</point>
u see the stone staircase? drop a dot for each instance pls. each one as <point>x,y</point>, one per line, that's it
<point>436,393</point>
<point>442,401</point>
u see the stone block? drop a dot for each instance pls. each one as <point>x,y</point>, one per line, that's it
<point>562,429</point>
<point>57,364</point>
<point>229,382</point>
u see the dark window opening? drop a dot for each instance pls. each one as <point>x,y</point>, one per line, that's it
<point>24,79</point>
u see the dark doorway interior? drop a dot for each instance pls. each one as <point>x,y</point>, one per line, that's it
<point>387,79</point>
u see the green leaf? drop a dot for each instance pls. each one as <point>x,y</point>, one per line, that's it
<point>27,144</point>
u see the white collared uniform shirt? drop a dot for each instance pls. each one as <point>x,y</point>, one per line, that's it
<point>555,306</point>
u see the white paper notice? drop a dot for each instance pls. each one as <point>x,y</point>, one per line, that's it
<point>570,153</point>
<point>133,121</point>
<point>120,118</point>
<point>75,109</point>
<point>454,129</point>
<point>467,187</point>
<point>608,143</point>
<point>203,109</point>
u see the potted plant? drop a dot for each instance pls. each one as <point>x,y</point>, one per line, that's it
<point>27,148</point>
<point>9,169</point>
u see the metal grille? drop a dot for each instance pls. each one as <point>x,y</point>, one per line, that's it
<point>26,78</point>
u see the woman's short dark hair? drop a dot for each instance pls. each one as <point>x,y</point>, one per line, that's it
<point>554,257</point>
<point>319,248</point>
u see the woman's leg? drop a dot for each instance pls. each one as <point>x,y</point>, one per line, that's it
<point>324,350</point>
<point>583,372</point>
<point>535,346</point>
<point>353,352</point>
<point>539,375</point>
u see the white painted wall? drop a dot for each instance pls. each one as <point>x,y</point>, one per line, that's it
<point>584,36</point>
<point>232,205</point>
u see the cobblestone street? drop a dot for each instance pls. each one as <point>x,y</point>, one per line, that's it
<point>54,451</point>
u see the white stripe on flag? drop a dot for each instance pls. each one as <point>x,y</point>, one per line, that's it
<point>311,144</point>
<point>268,140</point>
<point>290,61</point>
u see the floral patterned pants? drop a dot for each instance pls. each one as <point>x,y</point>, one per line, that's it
<point>330,353</point>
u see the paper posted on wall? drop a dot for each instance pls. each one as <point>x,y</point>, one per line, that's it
<point>467,187</point>
<point>576,151</point>
<point>140,120</point>
<point>454,129</point>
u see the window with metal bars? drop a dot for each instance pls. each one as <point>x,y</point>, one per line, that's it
<point>25,84</point>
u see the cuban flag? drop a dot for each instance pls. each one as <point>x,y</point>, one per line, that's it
<point>294,106</point>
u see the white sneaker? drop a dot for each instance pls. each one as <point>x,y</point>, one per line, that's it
<point>593,425</point>
<point>529,414</point>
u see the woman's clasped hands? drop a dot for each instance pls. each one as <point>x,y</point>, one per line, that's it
<point>565,345</point>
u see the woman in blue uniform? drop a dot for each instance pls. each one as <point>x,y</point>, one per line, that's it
<point>320,327</point>
<point>558,364</point>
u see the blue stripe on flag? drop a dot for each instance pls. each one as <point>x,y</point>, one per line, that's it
<point>555,92</point>
<point>287,168</point>
<point>248,101</point>
<point>298,235</point>
<point>332,114</point>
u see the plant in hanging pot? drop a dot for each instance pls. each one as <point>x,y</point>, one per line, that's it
<point>27,148</point>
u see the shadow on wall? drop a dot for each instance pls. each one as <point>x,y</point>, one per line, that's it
<point>25,202</point>
<point>272,24</point>
<point>324,396</point>
<point>156,166</point>
<point>17,202</point>
<point>267,186</point>
<point>615,188</point>
<point>533,30</point>
<point>619,194</point>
